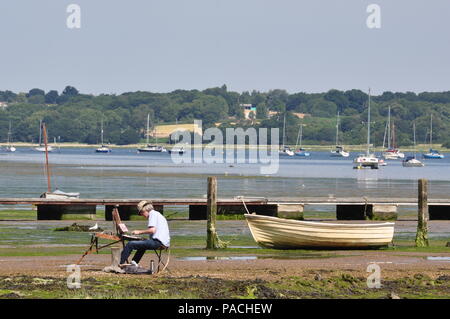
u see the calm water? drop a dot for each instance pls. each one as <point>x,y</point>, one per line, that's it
<point>126,174</point>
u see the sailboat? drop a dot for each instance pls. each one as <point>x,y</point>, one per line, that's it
<point>285,150</point>
<point>149,147</point>
<point>57,194</point>
<point>367,160</point>
<point>412,161</point>
<point>299,150</point>
<point>9,147</point>
<point>339,150</point>
<point>41,148</point>
<point>432,154</point>
<point>392,152</point>
<point>103,148</point>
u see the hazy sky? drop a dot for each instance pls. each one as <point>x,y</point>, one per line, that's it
<point>163,45</point>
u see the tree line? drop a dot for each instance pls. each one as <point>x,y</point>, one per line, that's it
<point>72,116</point>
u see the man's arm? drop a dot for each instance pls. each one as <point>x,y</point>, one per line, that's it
<point>150,230</point>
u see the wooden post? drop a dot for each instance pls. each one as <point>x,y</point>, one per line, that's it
<point>422,218</point>
<point>212,240</point>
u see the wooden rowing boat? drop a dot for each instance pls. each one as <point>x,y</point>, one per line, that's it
<point>280,233</point>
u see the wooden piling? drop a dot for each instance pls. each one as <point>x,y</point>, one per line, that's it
<point>422,218</point>
<point>212,240</point>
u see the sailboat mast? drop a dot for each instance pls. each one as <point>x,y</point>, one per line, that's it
<point>101,125</point>
<point>9,133</point>
<point>431,131</point>
<point>368,127</point>
<point>284,128</point>
<point>148,127</point>
<point>414,137</point>
<point>337,129</point>
<point>298,136</point>
<point>389,128</point>
<point>384,137</point>
<point>301,135</point>
<point>47,168</point>
<point>40,132</point>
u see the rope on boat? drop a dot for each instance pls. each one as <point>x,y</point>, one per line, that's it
<point>243,202</point>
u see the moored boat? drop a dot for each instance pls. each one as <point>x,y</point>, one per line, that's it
<point>411,161</point>
<point>152,149</point>
<point>367,160</point>
<point>339,150</point>
<point>177,150</point>
<point>302,152</point>
<point>432,154</point>
<point>103,148</point>
<point>280,233</point>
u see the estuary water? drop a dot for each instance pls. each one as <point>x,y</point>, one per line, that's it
<point>124,173</point>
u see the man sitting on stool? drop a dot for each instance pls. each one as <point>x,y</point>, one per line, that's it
<point>157,228</point>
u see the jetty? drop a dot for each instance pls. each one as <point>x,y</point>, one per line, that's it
<point>347,208</point>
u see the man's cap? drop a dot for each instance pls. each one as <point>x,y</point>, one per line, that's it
<point>142,204</point>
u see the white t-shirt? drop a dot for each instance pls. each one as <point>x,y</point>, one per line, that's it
<point>162,228</point>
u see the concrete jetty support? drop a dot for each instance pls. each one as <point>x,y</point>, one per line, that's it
<point>128,212</point>
<point>366,212</point>
<point>66,212</point>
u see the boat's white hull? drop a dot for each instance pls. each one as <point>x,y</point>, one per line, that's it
<point>413,163</point>
<point>103,150</point>
<point>287,153</point>
<point>366,161</point>
<point>60,195</point>
<point>282,233</point>
<point>393,156</point>
<point>42,149</point>
<point>340,154</point>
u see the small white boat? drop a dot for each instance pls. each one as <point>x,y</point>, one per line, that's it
<point>177,150</point>
<point>411,161</point>
<point>339,152</point>
<point>57,194</point>
<point>286,151</point>
<point>103,149</point>
<point>42,148</point>
<point>280,233</point>
<point>393,154</point>
<point>366,161</point>
<point>152,149</point>
<point>9,148</point>
<point>432,154</point>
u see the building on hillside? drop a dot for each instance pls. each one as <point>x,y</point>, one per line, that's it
<point>249,108</point>
<point>3,105</point>
<point>299,115</point>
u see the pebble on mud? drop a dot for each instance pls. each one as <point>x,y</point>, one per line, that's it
<point>393,295</point>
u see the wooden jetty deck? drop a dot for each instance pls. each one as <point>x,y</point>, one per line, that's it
<point>346,208</point>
